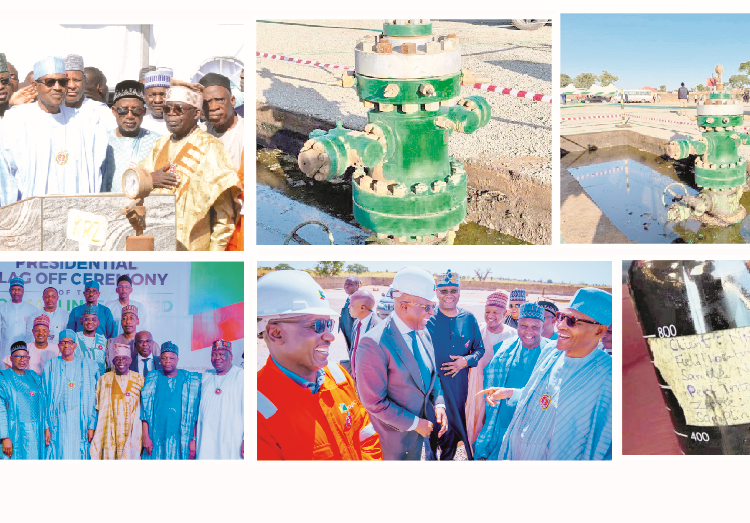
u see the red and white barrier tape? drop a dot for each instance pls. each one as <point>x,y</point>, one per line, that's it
<point>484,87</point>
<point>300,61</point>
<point>514,92</point>
<point>574,118</point>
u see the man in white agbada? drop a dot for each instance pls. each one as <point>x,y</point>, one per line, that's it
<point>13,316</point>
<point>58,318</point>
<point>44,148</point>
<point>221,422</point>
<point>96,112</point>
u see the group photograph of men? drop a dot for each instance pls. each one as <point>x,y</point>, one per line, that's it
<point>73,121</point>
<point>434,361</point>
<point>121,360</point>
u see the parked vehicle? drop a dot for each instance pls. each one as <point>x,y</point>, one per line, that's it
<point>595,99</point>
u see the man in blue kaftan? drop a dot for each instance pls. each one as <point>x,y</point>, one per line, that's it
<point>21,408</point>
<point>565,410</point>
<point>69,393</point>
<point>458,345</point>
<point>510,367</point>
<point>107,326</point>
<point>169,409</point>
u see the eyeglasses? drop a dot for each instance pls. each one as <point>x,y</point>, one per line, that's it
<point>50,82</point>
<point>5,81</point>
<point>123,111</point>
<point>448,291</point>
<point>120,360</point>
<point>178,110</point>
<point>319,325</point>
<point>559,317</point>
<point>514,306</point>
<point>27,357</point>
<point>429,309</point>
<point>67,342</point>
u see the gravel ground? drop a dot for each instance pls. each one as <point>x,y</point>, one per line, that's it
<point>518,137</point>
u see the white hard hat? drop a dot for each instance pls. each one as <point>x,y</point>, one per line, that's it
<point>415,281</point>
<point>290,293</point>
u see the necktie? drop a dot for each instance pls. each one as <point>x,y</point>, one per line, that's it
<point>354,349</point>
<point>423,369</point>
<point>145,367</point>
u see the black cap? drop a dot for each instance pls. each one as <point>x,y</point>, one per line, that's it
<point>216,79</point>
<point>19,345</point>
<point>126,278</point>
<point>129,89</point>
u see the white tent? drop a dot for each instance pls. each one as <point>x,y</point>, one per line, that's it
<point>570,89</point>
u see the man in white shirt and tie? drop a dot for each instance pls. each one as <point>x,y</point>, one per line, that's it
<point>361,305</point>
<point>145,360</point>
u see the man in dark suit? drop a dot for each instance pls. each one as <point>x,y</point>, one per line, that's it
<point>351,285</point>
<point>397,380</point>
<point>145,356</point>
<point>361,305</point>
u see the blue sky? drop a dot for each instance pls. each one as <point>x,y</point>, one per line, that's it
<point>592,273</point>
<point>654,49</point>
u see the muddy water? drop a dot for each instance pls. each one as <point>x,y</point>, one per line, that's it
<point>627,185</point>
<point>279,171</point>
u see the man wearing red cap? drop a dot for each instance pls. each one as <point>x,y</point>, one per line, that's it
<point>40,352</point>
<point>221,421</point>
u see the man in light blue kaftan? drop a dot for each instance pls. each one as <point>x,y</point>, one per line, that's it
<point>91,344</point>
<point>44,148</point>
<point>129,142</point>
<point>458,345</point>
<point>169,409</point>
<point>510,367</point>
<point>21,408</point>
<point>107,326</point>
<point>565,410</point>
<point>70,398</point>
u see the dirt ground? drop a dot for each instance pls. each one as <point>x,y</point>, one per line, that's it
<point>501,201</point>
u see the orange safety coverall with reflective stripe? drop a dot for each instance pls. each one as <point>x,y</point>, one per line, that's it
<point>296,425</point>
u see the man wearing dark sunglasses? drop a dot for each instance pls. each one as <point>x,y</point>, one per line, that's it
<point>6,85</point>
<point>397,376</point>
<point>194,166</point>
<point>44,148</point>
<point>458,347</point>
<point>129,143</point>
<point>565,410</point>
<point>517,298</point>
<point>307,406</point>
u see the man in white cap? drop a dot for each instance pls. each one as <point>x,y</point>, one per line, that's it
<point>565,410</point>
<point>118,401</point>
<point>44,149</point>
<point>308,408</point>
<point>397,377</point>
<point>96,112</point>
<point>194,166</point>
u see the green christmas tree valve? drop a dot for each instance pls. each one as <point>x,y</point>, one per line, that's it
<point>405,187</point>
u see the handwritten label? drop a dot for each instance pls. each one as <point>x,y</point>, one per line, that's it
<point>87,228</point>
<point>709,374</point>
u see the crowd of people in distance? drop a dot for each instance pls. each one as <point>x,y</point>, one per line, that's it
<point>84,386</point>
<point>531,382</point>
<point>60,136</point>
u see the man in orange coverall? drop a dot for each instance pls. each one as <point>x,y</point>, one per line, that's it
<point>308,409</point>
